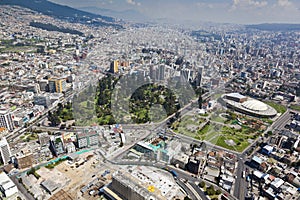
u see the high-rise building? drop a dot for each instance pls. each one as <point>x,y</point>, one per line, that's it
<point>5,151</point>
<point>187,74</point>
<point>162,70</point>
<point>194,165</point>
<point>44,85</point>
<point>199,76</point>
<point>114,66</point>
<point>153,72</point>
<point>42,100</point>
<point>56,145</point>
<point>6,120</point>
<point>58,85</point>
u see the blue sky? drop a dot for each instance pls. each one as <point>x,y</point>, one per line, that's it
<point>231,11</point>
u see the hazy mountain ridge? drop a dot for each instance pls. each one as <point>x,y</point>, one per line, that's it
<point>274,27</point>
<point>63,12</point>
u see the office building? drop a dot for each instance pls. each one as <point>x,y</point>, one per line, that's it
<point>5,151</point>
<point>57,85</point>
<point>114,66</point>
<point>57,145</point>
<point>162,70</point>
<point>194,165</point>
<point>6,120</point>
<point>7,186</point>
<point>199,76</point>
<point>44,85</point>
<point>153,72</point>
<point>42,100</point>
<point>87,138</point>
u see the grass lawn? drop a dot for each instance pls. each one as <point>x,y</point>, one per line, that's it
<point>218,119</point>
<point>29,137</point>
<point>217,132</point>
<point>186,121</point>
<point>17,49</point>
<point>278,107</point>
<point>295,107</point>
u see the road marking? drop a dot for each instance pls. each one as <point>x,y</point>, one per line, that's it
<point>193,190</point>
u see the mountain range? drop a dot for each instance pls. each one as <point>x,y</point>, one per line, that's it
<point>63,12</point>
<point>274,27</point>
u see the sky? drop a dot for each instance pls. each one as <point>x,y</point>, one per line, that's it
<point>224,11</point>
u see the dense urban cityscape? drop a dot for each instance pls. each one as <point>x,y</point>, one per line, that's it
<point>93,107</point>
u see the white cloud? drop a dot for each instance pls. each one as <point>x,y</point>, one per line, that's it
<point>205,5</point>
<point>284,3</point>
<point>132,2</point>
<point>246,3</point>
<point>258,3</point>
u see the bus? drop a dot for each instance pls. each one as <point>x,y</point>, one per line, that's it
<point>243,174</point>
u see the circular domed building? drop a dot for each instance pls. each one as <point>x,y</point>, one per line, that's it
<point>248,105</point>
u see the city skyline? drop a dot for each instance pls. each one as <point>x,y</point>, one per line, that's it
<point>97,108</point>
<point>196,11</point>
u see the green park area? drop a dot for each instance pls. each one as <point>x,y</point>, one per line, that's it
<point>278,107</point>
<point>188,125</point>
<point>210,190</point>
<point>223,130</point>
<point>52,165</point>
<point>295,107</point>
<point>29,137</point>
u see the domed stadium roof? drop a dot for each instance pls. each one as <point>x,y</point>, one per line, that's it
<point>250,106</point>
<point>255,105</point>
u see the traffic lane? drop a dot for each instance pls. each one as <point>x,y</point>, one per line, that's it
<point>186,189</point>
<point>22,189</point>
<point>238,180</point>
<point>199,191</point>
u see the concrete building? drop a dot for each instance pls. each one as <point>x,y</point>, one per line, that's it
<point>180,160</point>
<point>44,85</point>
<point>44,138</point>
<point>87,138</point>
<point>194,165</point>
<point>50,186</point>
<point>24,159</point>
<point>199,76</point>
<point>152,73</point>
<point>56,145</point>
<point>34,87</point>
<point>267,150</point>
<point>7,187</point>
<point>70,147</point>
<point>6,120</point>
<point>42,100</point>
<point>161,72</point>
<point>114,66</point>
<point>58,85</point>
<point>127,188</point>
<point>5,151</point>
